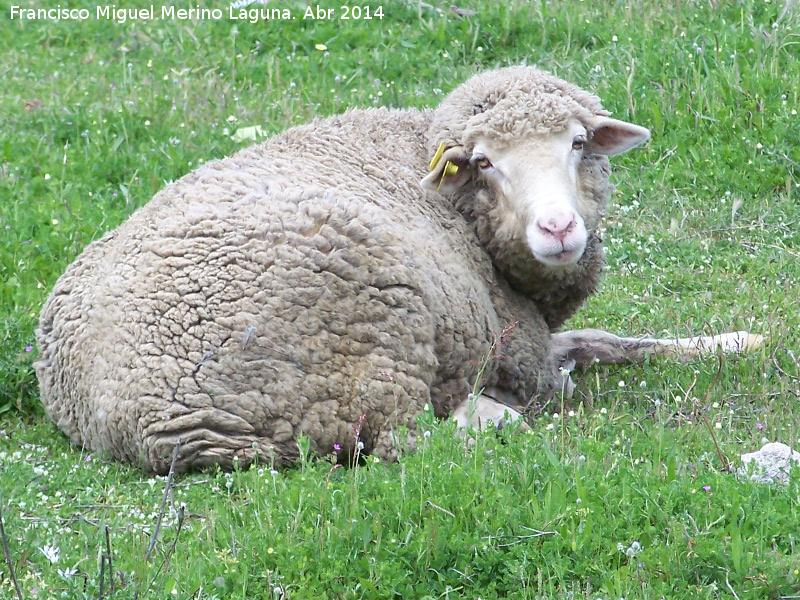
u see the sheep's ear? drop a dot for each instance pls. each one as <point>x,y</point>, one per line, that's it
<point>449,170</point>
<point>611,136</point>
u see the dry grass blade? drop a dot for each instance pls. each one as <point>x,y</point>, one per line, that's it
<point>167,490</point>
<point>7,553</point>
<point>168,557</point>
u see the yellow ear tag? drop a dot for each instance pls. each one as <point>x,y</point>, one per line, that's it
<point>436,157</point>
<point>449,169</point>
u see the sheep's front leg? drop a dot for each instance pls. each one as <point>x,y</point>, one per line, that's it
<point>485,411</point>
<point>494,407</point>
<point>585,346</point>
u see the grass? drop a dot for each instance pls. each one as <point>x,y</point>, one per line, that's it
<point>702,238</point>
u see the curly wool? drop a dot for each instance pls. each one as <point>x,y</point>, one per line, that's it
<point>508,104</point>
<point>288,290</point>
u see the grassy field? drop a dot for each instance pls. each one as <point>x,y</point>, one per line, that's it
<point>621,493</point>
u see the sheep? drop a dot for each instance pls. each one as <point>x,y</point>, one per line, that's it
<point>353,270</point>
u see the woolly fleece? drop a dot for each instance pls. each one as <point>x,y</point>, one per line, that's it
<point>306,281</point>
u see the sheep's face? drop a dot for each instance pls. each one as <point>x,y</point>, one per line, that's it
<point>532,186</point>
<point>535,185</point>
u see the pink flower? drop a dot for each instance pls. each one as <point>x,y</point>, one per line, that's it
<point>707,488</point>
<point>759,426</point>
<point>28,348</point>
<point>337,447</point>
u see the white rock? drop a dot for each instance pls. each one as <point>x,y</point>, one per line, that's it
<point>771,464</point>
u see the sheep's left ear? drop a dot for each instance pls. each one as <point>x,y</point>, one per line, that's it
<point>449,170</point>
<point>611,136</point>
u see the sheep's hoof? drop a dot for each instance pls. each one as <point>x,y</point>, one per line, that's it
<point>734,342</point>
<point>482,413</point>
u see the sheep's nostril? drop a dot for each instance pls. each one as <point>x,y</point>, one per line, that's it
<point>557,226</point>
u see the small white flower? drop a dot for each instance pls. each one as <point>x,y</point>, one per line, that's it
<point>67,573</point>
<point>51,553</point>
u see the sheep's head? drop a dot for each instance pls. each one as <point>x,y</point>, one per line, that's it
<point>530,150</point>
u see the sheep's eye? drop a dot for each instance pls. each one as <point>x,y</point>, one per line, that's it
<point>579,143</point>
<point>481,162</point>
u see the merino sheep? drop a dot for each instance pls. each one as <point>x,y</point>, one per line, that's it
<point>304,282</point>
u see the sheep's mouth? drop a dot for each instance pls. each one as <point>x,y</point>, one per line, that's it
<point>558,253</point>
<point>562,258</point>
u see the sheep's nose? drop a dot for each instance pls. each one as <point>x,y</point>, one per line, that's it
<point>557,226</point>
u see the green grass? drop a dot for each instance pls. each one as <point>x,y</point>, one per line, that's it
<point>702,238</point>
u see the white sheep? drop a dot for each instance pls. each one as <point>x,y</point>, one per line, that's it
<point>309,280</point>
